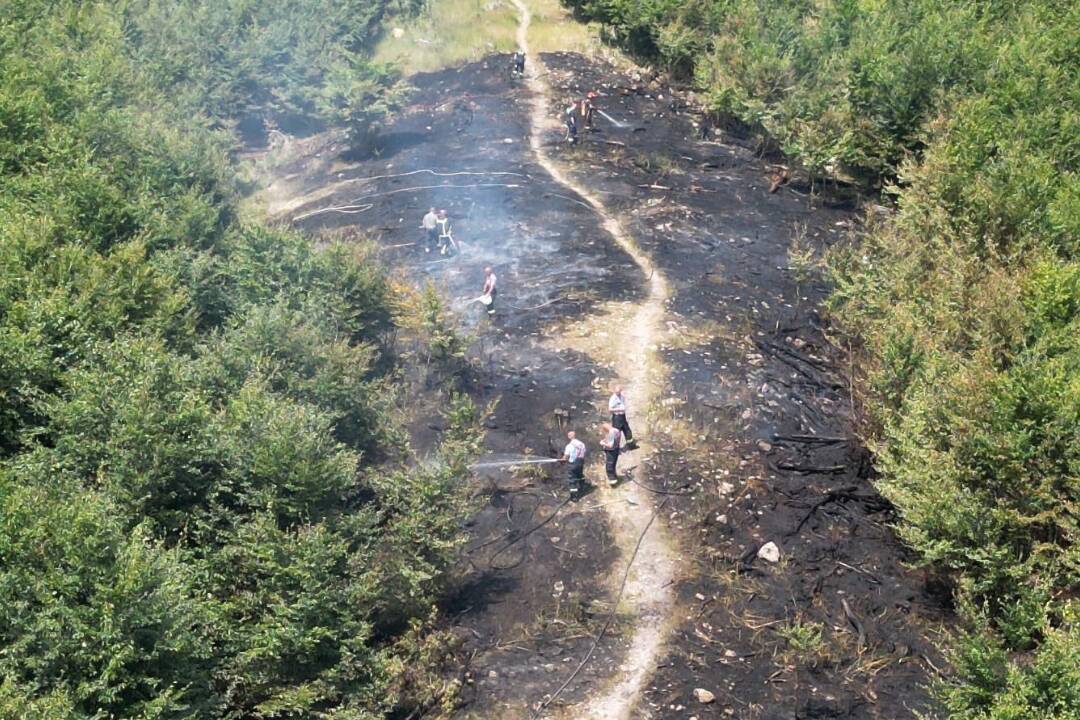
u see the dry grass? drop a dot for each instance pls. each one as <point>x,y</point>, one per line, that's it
<point>452,32</point>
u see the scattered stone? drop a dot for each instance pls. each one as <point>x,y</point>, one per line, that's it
<point>722,519</point>
<point>769,552</point>
<point>764,446</point>
<point>703,696</point>
<point>725,488</point>
<point>730,653</point>
<point>492,674</point>
<point>398,32</point>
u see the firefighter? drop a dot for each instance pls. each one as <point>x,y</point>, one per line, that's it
<point>574,456</point>
<point>612,442</point>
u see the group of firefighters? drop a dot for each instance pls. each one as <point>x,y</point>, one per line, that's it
<point>586,108</point>
<point>614,439</point>
<point>616,435</point>
<point>437,232</point>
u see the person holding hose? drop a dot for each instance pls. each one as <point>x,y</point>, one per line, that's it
<point>574,456</point>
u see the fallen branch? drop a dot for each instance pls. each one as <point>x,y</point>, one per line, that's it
<point>845,492</point>
<point>855,622</point>
<point>812,469</point>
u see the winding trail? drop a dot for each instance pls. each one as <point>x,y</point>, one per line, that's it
<point>647,595</point>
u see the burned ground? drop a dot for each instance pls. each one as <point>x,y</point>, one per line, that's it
<point>762,429</point>
<point>754,429</point>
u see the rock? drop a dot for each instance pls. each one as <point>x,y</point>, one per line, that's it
<point>492,674</point>
<point>764,446</point>
<point>398,32</point>
<point>725,488</point>
<point>769,552</point>
<point>703,696</point>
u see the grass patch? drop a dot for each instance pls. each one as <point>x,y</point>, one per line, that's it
<point>452,32</point>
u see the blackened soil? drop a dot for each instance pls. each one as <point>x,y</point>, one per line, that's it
<point>525,603</point>
<point>755,428</point>
<point>760,431</point>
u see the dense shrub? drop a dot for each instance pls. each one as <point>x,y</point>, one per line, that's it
<point>207,504</point>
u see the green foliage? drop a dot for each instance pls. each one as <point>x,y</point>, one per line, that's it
<point>968,304</point>
<point>844,83</point>
<point>294,62</point>
<point>1046,686</point>
<point>207,504</point>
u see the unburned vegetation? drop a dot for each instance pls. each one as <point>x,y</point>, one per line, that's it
<point>208,505</point>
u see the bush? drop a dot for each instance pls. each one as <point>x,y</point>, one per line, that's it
<point>208,508</point>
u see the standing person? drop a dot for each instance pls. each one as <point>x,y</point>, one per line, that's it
<point>445,236</point>
<point>617,405</point>
<point>571,124</point>
<point>489,289</point>
<point>574,456</point>
<point>519,62</point>
<point>588,109</point>
<point>430,226</point>
<point>612,442</point>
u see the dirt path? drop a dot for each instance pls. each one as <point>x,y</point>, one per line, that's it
<point>647,596</point>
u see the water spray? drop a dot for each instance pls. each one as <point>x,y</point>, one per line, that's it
<point>512,463</point>
<point>617,123</point>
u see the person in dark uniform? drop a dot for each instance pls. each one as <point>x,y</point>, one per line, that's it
<point>612,442</point>
<point>617,406</point>
<point>519,63</point>
<point>574,457</point>
<point>588,110</point>
<point>571,124</point>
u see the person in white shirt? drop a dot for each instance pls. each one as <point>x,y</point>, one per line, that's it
<point>617,406</point>
<point>574,456</point>
<point>489,289</point>
<point>445,233</point>
<point>430,225</point>
<point>612,442</point>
